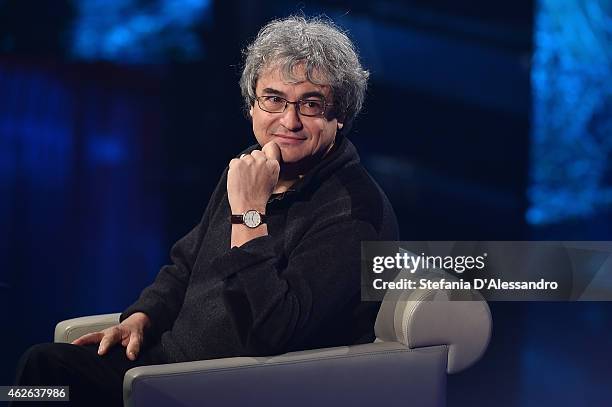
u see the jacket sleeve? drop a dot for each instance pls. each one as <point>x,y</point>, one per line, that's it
<point>162,300</point>
<point>277,304</point>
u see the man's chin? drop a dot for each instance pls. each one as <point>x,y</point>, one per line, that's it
<point>290,155</point>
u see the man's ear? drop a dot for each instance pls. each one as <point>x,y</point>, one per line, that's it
<point>340,118</point>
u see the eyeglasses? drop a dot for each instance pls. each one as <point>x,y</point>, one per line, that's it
<point>306,107</point>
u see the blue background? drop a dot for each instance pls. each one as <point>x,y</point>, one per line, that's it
<point>483,121</point>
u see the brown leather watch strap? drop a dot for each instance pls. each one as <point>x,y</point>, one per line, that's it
<point>236,219</point>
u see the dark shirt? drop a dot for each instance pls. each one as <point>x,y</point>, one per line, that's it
<point>297,288</point>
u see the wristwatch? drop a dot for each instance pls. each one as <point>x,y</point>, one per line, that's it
<point>250,218</point>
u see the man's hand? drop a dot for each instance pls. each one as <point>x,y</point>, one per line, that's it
<point>252,178</point>
<point>129,333</point>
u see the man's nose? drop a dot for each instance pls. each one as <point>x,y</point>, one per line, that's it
<point>291,118</point>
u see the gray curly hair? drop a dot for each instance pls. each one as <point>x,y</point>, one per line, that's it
<point>327,54</point>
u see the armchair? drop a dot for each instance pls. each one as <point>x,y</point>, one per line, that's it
<point>420,338</point>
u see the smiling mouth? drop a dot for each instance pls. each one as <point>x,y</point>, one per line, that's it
<point>288,139</point>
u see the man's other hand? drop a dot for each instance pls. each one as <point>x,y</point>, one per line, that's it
<point>130,333</point>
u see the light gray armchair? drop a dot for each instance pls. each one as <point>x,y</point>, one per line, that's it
<point>421,337</point>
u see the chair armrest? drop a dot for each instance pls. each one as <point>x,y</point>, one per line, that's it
<point>360,375</point>
<point>71,329</point>
<point>459,319</point>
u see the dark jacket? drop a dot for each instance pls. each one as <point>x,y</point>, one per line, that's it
<point>297,288</point>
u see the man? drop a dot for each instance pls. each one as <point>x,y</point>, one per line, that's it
<point>274,264</point>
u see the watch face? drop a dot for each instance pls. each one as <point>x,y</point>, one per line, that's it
<point>252,218</point>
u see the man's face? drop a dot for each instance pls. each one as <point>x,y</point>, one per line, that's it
<point>299,137</point>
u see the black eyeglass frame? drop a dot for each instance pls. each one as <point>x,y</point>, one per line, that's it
<point>297,103</point>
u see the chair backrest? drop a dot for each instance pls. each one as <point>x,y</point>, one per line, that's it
<point>423,317</point>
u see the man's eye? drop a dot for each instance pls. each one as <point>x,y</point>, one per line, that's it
<point>275,99</point>
<point>313,103</point>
